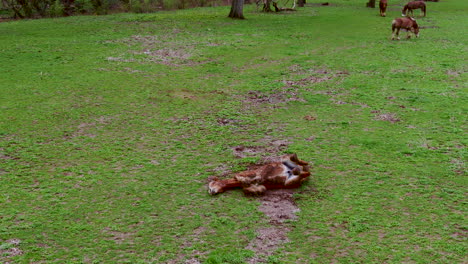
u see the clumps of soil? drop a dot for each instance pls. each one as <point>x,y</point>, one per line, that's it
<point>119,237</point>
<point>453,73</point>
<point>268,149</point>
<point>227,121</point>
<point>274,98</point>
<point>390,117</point>
<point>459,166</point>
<point>5,156</point>
<point>10,248</point>
<point>313,76</point>
<point>292,89</point>
<point>279,207</point>
<point>309,80</point>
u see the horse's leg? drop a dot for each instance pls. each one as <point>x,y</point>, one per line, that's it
<point>424,10</point>
<point>398,33</point>
<point>255,189</point>
<point>218,186</point>
<point>296,160</point>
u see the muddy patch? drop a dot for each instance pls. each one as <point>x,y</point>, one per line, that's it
<point>279,207</point>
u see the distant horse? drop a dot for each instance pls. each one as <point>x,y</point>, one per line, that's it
<point>407,23</point>
<point>409,7</point>
<point>383,7</point>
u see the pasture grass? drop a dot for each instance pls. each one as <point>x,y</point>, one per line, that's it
<point>110,126</point>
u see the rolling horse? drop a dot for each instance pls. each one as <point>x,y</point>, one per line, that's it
<point>409,7</point>
<point>288,172</point>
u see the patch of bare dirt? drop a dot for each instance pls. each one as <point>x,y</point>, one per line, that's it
<point>292,89</point>
<point>157,49</point>
<point>267,150</point>
<point>390,117</point>
<point>309,80</point>
<point>9,248</point>
<point>82,128</point>
<point>273,99</point>
<point>119,237</point>
<point>168,56</point>
<point>4,156</point>
<point>279,207</point>
<point>313,76</point>
<point>454,73</point>
<point>266,242</point>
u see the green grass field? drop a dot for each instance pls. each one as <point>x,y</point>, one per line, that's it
<point>110,126</point>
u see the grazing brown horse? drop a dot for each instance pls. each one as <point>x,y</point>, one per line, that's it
<point>409,7</point>
<point>288,172</point>
<point>407,23</point>
<point>383,7</point>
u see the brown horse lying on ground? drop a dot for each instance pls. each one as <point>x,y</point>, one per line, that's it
<point>409,7</point>
<point>407,23</point>
<point>289,172</point>
<point>383,7</point>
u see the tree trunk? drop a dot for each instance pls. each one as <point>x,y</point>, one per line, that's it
<point>237,9</point>
<point>371,3</point>
<point>267,7</point>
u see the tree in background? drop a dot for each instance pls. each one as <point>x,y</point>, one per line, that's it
<point>371,3</point>
<point>237,9</point>
<point>68,7</point>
